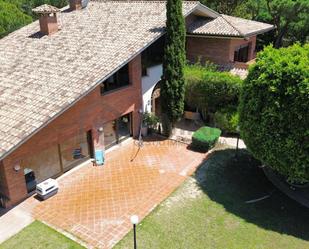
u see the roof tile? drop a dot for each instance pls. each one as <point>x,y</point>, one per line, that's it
<point>40,77</point>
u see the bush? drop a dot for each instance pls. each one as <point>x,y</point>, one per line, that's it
<point>274,117</point>
<point>11,18</point>
<point>209,90</point>
<point>150,120</point>
<point>205,138</point>
<point>227,120</point>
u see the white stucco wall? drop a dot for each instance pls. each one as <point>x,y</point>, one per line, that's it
<point>148,84</point>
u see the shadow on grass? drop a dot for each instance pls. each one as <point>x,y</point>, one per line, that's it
<point>232,182</point>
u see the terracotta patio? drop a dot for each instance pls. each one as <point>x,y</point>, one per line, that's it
<point>95,203</point>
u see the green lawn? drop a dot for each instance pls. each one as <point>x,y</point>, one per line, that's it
<point>210,211</point>
<point>37,236</point>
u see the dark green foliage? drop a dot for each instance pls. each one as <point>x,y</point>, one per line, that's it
<point>150,120</point>
<point>172,89</point>
<point>227,119</point>
<point>274,116</point>
<point>205,138</point>
<point>11,18</point>
<point>28,5</point>
<point>210,90</point>
<point>15,14</point>
<point>227,7</point>
<point>289,16</point>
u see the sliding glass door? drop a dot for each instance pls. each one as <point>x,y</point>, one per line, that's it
<point>117,130</point>
<point>74,150</point>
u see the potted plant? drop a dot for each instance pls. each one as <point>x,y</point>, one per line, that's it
<point>150,121</point>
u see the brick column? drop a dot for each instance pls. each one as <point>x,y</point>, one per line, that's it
<point>14,184</point>
<point>135,76</point>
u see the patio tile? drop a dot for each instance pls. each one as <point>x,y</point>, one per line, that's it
<point>95,203</point>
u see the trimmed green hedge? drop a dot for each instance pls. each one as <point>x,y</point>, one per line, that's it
<point>274,116</point>
<point>210,90</point>
<point>227,119</point>
<point>205,138</point>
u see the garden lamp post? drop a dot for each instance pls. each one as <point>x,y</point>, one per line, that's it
<point>134,221</point>
<point>237,143</point>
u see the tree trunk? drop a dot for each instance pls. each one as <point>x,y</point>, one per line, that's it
<point>279,38</point>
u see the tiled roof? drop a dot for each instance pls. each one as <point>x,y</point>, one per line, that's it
<point>45,9</point>
<point>40,77</point>
<point>225,25</point>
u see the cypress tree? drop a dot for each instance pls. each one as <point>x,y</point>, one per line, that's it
<point>172,88</point>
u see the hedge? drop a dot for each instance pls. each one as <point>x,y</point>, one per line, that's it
<point>205,138</point>
<point>227,119</point>
<point>209,90</point>
<point>274,116</point>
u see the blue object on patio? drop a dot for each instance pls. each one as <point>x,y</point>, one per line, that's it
<point>99,157</point>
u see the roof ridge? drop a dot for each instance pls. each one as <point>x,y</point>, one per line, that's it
<point>240,33</point>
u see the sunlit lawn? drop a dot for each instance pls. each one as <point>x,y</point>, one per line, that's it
<point>39,236</point>
<point>210,211</point>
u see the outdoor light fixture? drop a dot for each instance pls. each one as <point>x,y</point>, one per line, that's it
<point>17,167</point>
<point>100,129</point>
<point>237,143</point>
<point>134,221</point>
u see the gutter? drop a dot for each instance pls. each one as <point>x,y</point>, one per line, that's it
<point>215,36</point>
<point>243,36</point>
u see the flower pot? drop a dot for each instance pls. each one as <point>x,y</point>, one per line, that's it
<point>192,115</point>
<point>144,131</point>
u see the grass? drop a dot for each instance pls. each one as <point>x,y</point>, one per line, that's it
<point>210,211</point>
<point>37,236</point>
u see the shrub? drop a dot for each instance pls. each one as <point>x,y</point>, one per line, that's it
<point>205,138</point>
<point>227,119</point>
<point>150,119</point>
<point>209,90</point>
<point>274,117</point>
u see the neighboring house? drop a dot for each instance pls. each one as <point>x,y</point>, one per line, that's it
<point>78,80</point>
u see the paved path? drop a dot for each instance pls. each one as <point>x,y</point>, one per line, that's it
<point>16,219</point>
<point>185,128</point>
<point>232,141</point>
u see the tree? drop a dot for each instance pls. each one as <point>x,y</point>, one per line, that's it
<point>227,7</point>
<point>11,18</point>
<point>15,14</point>
<point>285,14</point>
<point>274,117</point>
<point>172,89</point>
<point>289,16</point>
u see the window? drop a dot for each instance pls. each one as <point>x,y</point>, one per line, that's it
<point>117,130</point>
<point>74,150</point>
<point>153,55</point>
<point>117,80</point>
<point>241,53</point>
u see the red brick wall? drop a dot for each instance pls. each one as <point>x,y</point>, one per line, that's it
<point>87,114</point>
<point>217,50</point>
<point>211,49</point>
<point>237,42</point>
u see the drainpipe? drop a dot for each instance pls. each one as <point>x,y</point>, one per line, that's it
<point>140,137</point>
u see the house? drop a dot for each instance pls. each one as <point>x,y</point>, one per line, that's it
<point>77,80</point>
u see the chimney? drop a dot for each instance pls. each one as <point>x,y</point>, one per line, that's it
<point>78,4</point>
<point>48,18</point>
